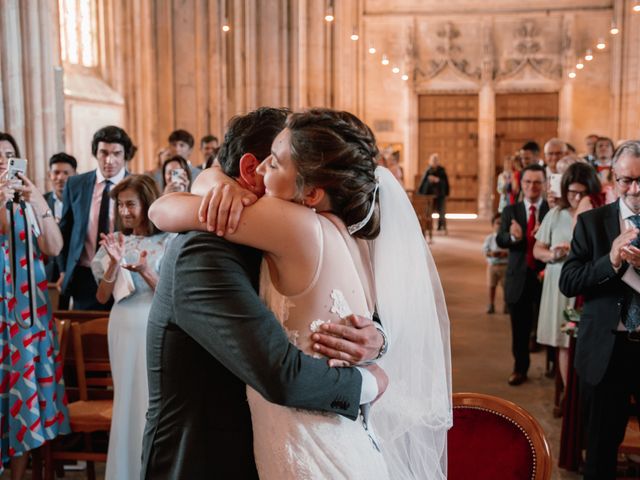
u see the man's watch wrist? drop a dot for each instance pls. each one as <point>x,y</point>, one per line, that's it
<point>385,342</point>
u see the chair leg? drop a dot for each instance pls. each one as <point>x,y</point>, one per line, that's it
<point>36,463</point>
<point>91,471</point>
<point>48,461</point>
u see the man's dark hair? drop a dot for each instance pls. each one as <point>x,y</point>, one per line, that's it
<point>9,138</point>
<point>533,168</point>
<point>113,134</point>
<point>63,158</point>
<point>181,136</point>
<point>251,133</point>
<point>531,146</point>
<point>208,138</point>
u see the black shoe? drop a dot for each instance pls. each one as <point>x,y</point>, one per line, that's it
<point>505,309</point>
<point>516,379</point>
<point>534,346</point>
<point>491,308</point>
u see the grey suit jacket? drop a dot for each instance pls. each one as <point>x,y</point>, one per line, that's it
<point>208,336</point>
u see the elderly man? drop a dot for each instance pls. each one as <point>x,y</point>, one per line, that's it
<point>603,266</point>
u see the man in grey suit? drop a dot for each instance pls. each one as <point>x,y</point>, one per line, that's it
<point>209,336</point>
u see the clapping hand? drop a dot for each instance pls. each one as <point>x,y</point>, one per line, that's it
<point>621,246</point>
<point>114,247</point>
<point>560,250</point>
<point>140,266</point>
<point>516,230</point>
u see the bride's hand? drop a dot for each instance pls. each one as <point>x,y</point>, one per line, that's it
<point>222,206</point>
<point>350,344</point>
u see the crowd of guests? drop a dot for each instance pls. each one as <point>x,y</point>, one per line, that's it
<point>542,252</point>
<point>66,236</point>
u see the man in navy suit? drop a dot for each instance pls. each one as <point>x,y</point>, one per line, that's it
<point>603,267</point>
<point>522,289</point>
<point>88,211</point>
<point>61,167</point>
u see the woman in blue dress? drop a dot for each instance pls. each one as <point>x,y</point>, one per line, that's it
<point>32,397</point>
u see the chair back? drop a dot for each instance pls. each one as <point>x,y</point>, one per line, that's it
<point>92,370</point>
<point>494,438</point>
<point>63,327</point>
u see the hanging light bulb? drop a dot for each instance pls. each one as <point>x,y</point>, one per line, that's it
<point>405,77</point>
<point>385,60</point>
<point>601,45</point>
<point>572,74</point>
<point>614,28</point>
<point>588,55</point>
<point>354,35</point>
<point>329,13</point>
<point>372,49</point>
<point>225,26</point>
<point>395,70</point>
<point>636,6</point>
<point>579,65</point>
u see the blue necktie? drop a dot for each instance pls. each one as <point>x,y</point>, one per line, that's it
<point>632,317</point>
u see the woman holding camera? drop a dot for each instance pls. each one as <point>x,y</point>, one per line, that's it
<point>126,266</point>
<point>32,396</point>
<point>176,175</point>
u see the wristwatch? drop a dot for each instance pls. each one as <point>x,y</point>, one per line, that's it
<point>385,342</point>
<point>47,213</point>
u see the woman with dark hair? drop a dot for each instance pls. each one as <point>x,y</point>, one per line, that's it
<point>552,247</point>
<point>32,396</point>
<point>126,267</point>
<point>176,175</point>
<point>326,223</point>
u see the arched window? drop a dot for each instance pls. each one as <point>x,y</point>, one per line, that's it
<point>78,32</point>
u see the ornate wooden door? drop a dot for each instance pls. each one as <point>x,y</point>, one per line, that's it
<point>448,125</point>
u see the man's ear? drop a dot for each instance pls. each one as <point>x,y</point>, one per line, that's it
<point>248,166</point>
<point>314,196</point>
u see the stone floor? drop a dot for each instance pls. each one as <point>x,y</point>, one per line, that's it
<point>480,342</point>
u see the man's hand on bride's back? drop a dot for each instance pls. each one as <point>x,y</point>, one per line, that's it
<point>222,205</point>
<point>353,343</point>
<point>381,378</point>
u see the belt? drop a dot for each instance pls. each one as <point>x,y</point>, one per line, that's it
<point>631,336</point>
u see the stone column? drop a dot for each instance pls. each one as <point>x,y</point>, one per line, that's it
<point>486,149</point>
<point>565,97</point>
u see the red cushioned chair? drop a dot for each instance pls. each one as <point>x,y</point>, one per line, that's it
<point>493,439</point>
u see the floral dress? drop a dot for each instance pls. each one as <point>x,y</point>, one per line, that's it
<point>33,404</point>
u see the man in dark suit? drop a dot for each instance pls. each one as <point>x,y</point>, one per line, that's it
<point>522,289</point>
<point>435,182</point>
<point>209,336</point>
<point>61,167</point>
<point>602,266</point>
<point>88,211</point>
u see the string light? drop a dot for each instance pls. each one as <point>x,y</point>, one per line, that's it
<point>395,70</point>
<point>225,25</point>
<point>354,35</point>
<point>572,74</point>
<point>601,44</point>
<point>372,49</point>
<point>636,6</point>
<point>405,77</point>
<point>588,55</point>
<point>614,28</point>
<point>385,60</point>
<point>579,65</point>
<point>329,15</point>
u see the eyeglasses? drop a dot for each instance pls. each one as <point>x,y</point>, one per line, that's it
<point>575,193</point>
<point>626,182</point>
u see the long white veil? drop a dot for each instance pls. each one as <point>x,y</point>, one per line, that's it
<point>413,416</point>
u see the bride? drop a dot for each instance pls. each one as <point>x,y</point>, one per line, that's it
<point>330,225</point>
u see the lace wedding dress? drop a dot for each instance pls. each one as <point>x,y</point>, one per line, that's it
<point>298,444</point>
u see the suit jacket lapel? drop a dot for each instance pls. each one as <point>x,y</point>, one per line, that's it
<point>86,197</point>
<point>521,216</point>
<point>612,221</point>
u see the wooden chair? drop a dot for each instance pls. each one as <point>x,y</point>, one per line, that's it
<point>86,415</point>
<point>494,438</point>
<point>423,205</point>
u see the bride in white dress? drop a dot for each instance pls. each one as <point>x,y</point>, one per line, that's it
<point>320,177</point>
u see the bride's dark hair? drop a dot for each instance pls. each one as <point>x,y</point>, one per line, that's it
<point>336,151</point>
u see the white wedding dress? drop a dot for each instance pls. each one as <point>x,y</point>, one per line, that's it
<point>298,444</point>
<point>411,420</point>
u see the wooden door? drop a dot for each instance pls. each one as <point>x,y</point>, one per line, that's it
<point>520,118</point>
<point>448,125</point>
